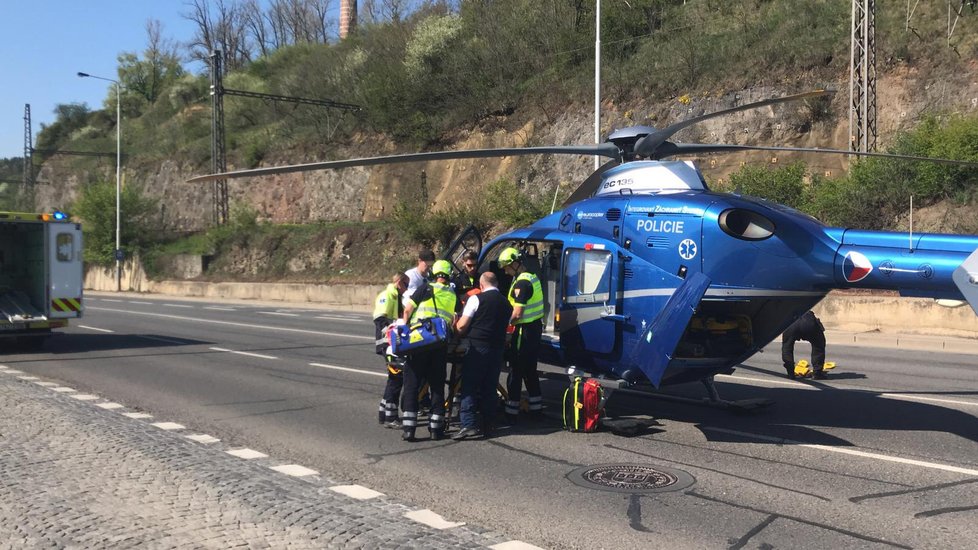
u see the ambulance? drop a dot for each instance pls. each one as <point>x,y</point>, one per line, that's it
<point>40,277</point>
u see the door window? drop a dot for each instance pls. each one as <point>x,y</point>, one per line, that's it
<point>65,243</point>
<point>587,276</point>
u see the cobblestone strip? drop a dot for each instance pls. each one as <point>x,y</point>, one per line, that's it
<point>74,474</point>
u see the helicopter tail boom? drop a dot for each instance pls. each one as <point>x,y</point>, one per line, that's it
<point>923,265</point>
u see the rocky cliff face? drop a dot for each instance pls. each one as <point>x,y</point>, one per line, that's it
<point>371,193</point>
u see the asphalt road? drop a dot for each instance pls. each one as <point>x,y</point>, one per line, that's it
<point>881,455</point>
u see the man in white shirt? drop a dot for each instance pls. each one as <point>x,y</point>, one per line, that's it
<point>419,274</point>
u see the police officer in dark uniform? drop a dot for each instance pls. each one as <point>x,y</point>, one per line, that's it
<point>484,319</point>
<point>430,300</point>
<point>526,297</point>
<point>808,328</point>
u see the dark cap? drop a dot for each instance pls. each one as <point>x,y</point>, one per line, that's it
<point>426,255</point>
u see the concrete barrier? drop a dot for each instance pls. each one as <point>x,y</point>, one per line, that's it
<point>838,311</point>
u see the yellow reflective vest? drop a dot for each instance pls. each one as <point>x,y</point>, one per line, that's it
<point>533,309</point>
<point>441,304</point>
<point>386,303</point>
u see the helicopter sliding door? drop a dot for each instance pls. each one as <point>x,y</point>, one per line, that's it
<point>590,308</point>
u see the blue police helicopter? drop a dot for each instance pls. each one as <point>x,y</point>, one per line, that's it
<point>652,278</point>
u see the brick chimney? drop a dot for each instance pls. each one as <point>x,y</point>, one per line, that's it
<point>348,17</point>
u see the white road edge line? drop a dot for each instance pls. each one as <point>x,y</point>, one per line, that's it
<point>95,328</point>
<point>358,371</point>
<point>220,308</point>
<point>141,303</point>
<point>929,399</point>
<point>853,452</point>
<point>278,313</point>
<point>249,354</point>
<point>431,519</point>
<point>178,305</point>
<point>229,323</point>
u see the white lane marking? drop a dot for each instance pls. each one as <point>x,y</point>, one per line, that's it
<point>294,470</point>
<point>358,371</point>
<point>230,323</point>
<point>203,438</point>
<point>358,492</point>
<point>28,378</point>
<point>46,384</point>
<point>109,406</point>
<point>85,397</point>
<point>249,354</point>
<point>853,452</point>
<point>929,399</point>
<point>141,303</point>
<point>345,319</point>
<point>431,519</point>
<point>799,385</point>
<point>158,339</point>
<point>137,416</point>
<point>13,371</point>
<point>95,328</point>
<point>247,454</point>
<point>220,308</point>
<point>514,545</point>
<point>64,389</point>
<point>111,300</point>
<point>279,313</point>
<point>178,305</point>
<point>803,385</point>
<point>168,426</point>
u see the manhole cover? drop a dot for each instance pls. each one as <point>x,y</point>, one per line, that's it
<point>631,478</point>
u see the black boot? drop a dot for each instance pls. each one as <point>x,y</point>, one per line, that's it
<point>437,435</point>
<point>407,435</point>
<point>382,417</point>
<point>790,370</point>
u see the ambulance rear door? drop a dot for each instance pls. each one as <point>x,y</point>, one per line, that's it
<point>65,274</point>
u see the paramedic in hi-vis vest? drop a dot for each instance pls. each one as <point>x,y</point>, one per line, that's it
<point>435,299</point>
<point>388,309</point>
<point>526,297</point>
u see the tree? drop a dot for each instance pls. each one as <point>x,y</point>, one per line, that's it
<point>147,77</point>
<point>96,208</point>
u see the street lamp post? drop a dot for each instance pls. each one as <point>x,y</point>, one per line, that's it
<point>118,181</point>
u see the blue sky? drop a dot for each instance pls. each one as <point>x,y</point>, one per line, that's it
<point>45,43</point>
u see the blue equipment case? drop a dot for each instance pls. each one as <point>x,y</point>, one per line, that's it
<point>424,335</point>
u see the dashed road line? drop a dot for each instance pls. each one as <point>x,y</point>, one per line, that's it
<point>431,519</point>
<point>220,308</point>
<point>13,371</point>
<point>247,454</point>
<point>295,470</point>
<point>95,328</point>
<point>279,313</point>
<point>234,324</point>
<point>930,399</point>
<point>46,384</point>
<point>514,545</point>
<point>85,397</point>
<point>64,389</point>
<point>358,492</point>
<point>347,369</point>
<point>249,354</point>
<point>169,426</point>
<point>852,452</point>
<point>28,378</point>
<point>203,438</point>
<point>343,319</point>
<point>141,303</point>
<point>110,406</point>
<point>137,415</point>
<point>179,305</point>
<point>111,300</point>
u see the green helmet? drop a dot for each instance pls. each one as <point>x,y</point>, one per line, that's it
<point>508,256</point>
<point>442,268</point>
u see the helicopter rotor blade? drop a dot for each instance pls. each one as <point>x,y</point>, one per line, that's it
<point>670,149</point>
<point>649,145</point>
<point>590,185</point>
<point>602,149</point>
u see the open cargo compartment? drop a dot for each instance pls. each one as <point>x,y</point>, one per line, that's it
<point>23,276</point>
